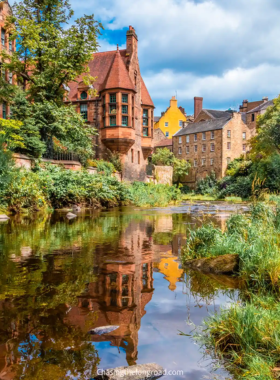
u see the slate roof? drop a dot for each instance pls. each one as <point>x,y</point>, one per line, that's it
<point>262,106</point>
<point>110,71</point>
<point>204,126</point>
<point>164,142</point>
<point>216,114</point>
<point>156,118</point>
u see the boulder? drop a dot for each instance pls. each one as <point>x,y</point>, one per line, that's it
<point>134,372</point>
<point>70,215</point>
<point>225,264</point>
<point>103,330</point>
<point>3,217</point>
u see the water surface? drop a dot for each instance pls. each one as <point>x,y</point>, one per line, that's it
<point>59,279</point>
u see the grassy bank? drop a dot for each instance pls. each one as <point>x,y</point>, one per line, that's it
<point>246,336</point>
<point>54,187</point>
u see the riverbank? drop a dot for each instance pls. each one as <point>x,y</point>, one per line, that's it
<point>246,336</point>
<point>53,187</point>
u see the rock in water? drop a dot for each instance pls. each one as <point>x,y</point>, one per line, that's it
<point>70,215</point>
<point>225,264</point>
<point>76,208</point>
<point>134,372</point>
<point>4,217</point>
<point>103,330</point>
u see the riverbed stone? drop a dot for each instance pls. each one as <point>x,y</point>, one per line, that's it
<point>4,217</point>
<point>134,372</point>
<point>76,208</point>
<point>70,215</point>
<point>225,264</point>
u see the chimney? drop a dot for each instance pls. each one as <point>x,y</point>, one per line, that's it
<point>131,41</point>
<point>173,102</point>
<point>198,103</point>
<point>265,99</point>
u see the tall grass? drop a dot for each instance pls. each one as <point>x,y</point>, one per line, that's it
<point>246,336</point>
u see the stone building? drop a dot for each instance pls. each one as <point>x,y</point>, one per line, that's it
<point>211,142</point>
<point>123,111</point>
<point>252,115</point>
<point>171,120</point>
<point>9,46</point>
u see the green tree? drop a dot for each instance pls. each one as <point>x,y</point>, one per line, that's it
<point>49,55</point>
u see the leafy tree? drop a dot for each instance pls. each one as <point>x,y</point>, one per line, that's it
<point>49,55</point>
<point>10,133</point>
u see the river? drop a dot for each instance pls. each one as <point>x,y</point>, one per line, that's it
<point>59,279</point>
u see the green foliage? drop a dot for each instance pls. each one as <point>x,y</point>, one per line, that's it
<point>208,185</point>
<point>6,167</point>
<point>164,157</point>
<point>115,159</point>
<point>49,55</point>
<point>103,166</point>
<point>149,194</point>
<point>10,131</point>
<point>235,186</point>
<point>239,167</point>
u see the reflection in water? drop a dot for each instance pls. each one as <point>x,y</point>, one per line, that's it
<point>59,279</point>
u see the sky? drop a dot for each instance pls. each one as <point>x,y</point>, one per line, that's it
<point>222,50</point>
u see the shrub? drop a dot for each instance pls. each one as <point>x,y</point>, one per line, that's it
<point>208,185</point>
<point>103,166</point>
<point>239,187</point>
<point>163,157</point>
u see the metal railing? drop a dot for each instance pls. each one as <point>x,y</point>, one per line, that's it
<point>66,156</point>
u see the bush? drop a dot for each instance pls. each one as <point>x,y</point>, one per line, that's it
<point>238,187</point>
<point>103,166</point>
<point>149,194</point>
<point>208,185</point>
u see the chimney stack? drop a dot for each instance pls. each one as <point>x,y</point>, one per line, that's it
<point>131,41</point>
<point>265,99</point>
<point>198,104</point>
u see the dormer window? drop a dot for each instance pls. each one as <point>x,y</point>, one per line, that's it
<point>84,95</point>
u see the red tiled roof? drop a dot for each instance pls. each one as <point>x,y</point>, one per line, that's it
<point>118,76</point>
<point>164,142</point>
<point>145,96</point>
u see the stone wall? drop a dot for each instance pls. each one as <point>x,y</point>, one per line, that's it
<point>163,175</point>
<point>22,161</point>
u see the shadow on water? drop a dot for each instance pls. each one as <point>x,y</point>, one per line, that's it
<point>59,279</point>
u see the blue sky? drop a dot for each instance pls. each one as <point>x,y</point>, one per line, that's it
<point>223,50</point>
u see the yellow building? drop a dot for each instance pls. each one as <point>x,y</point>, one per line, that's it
<point>171,120</point>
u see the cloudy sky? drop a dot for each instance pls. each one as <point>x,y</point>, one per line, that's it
<point>223,50</point>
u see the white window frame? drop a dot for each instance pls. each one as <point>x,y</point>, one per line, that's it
<point>203,162</point>
<point>211,161</point>
<point>180,150</point>
<point>180,140</point>
<point>229,133</point>
<point>195,163</point>
<point>195,148</point>
<point>244,147</point>
<point>212,135</point>
<point>187,149</point>
<point>166,134</point>
<point>203,135</point>
<point>180,123</point>
<point>195,137</point>
<point>212,147</point>
<point>188,138</point>
<point>203,148</point>
<point>228,145</point>
<point>244,135</point>
<point>228,160</point>
<point>166,124</point>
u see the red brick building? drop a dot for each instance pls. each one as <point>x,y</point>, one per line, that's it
<point>9,46</point>
<point>123,111</point>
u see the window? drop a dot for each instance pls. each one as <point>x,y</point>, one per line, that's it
<point>195,148</point>
<point>113,121</point>
<point>112,109</point>
<point>195,163</point>
<point>212,147</point>
<point>212,135</point>
<point>84,111</point>
<point>244,135</point>
<point>180,123</point>
<point>180,150</point>
<point>180,140</point>
<point>166,134</point>
<point>10,43</point>
<point>166,124</point>
<point>212,161</point>
<point>187,149</point>
<point>125,110</point>
<point>203,161</point>
<point>228,160</point>
<point>228,145</point>
<point>124,98</point>
<point>132,155</point>
<point>253,117</point>
<point>203,147</point>
<point>204,136</point>
<point>138,158</point>
<point>113,98</point>
<point>195,137</point>
<point>83,95</point>
<point>3,37</point>
<point>145,113</point>
<point>229,134</point>
<point>4,110</point>
<point>145,131</point>
<point>11,78</point>
<point>188,138</point>
<point>244,147</point>
<point>124,121</point>
<point>145,122</point>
